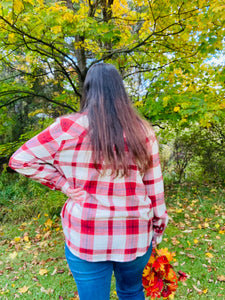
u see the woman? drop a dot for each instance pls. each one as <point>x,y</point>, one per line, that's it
<point>105,159</point>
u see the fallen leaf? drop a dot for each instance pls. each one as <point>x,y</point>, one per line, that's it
<point>17,239</point>
<point>190,255</point>
<point>54,272</point>
<point>206,225</point>
<point>197,289</point>
<point>13,255</point>
<point>43,272</point>
<point>208,254</point>
<point>48,291</point>
<point>48,223</point>
<point>26,238</point>
<point>221,278</point>
<point>23,290</point>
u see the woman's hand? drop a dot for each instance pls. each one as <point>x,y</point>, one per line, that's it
<point>76,194</point>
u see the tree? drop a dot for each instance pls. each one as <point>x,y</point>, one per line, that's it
<point>160,48</point>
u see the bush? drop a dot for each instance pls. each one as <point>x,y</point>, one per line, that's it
<point>21,198</point>
<point>196,154</point>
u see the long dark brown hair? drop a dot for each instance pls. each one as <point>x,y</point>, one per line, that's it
<point>116,131</point>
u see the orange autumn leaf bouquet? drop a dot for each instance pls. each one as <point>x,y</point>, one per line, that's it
<point>159,279</point>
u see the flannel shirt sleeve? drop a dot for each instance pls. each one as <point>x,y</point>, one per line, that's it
<point>155,189</point>
<point>35,159</point>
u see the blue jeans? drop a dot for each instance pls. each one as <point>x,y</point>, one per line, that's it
<point>93,279</point>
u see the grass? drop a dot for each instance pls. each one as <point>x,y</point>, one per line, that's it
<point>33,266</point>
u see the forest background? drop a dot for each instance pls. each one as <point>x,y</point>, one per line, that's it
<point>170,54</point>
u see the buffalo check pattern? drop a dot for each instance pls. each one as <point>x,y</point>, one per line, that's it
<point>116,218</point>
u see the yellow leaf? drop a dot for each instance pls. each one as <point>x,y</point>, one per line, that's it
<point>205,291</point>
<point>43,272</point>
<point>206,225</point>
<point>23,290</point>
<point>13,255</point>
<point>18,6</point>
<point>46,215</point>
<point>11,37</point>
<point>56,29</point>
<point>57,229</point>
<point>165,252</point>
<point>26,238</point>
<point>208,254</point>
<point>217,226</point>
<point>176,108</point>
<point>165,101</point>
<point>189,243</point>
<point>221,231</point>
<point>195,241</point>
<point>17,239</point>
<point>199,226</point>
<point>48,223</point>
<point>179,210</point>
<point>171,296</point>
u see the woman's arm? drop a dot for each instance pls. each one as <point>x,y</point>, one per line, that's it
<point>35,159</point>
<point>154,185</point>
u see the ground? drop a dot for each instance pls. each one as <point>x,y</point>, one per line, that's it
<point>33,265</point>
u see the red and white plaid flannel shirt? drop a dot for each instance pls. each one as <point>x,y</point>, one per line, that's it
<point>118,217</point>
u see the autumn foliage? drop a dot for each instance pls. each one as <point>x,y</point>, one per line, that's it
<point>159,278</point>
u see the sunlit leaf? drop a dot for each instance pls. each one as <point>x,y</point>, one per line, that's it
<point>23,290</point>
<point>43,272</point>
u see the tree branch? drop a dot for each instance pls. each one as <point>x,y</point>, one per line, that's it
<point>31,94</point>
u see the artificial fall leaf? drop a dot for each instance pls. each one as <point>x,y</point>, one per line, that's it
<point>43,272</point>
<point>166,253</point>
<point>159,279</point>
<point>23,290</point>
